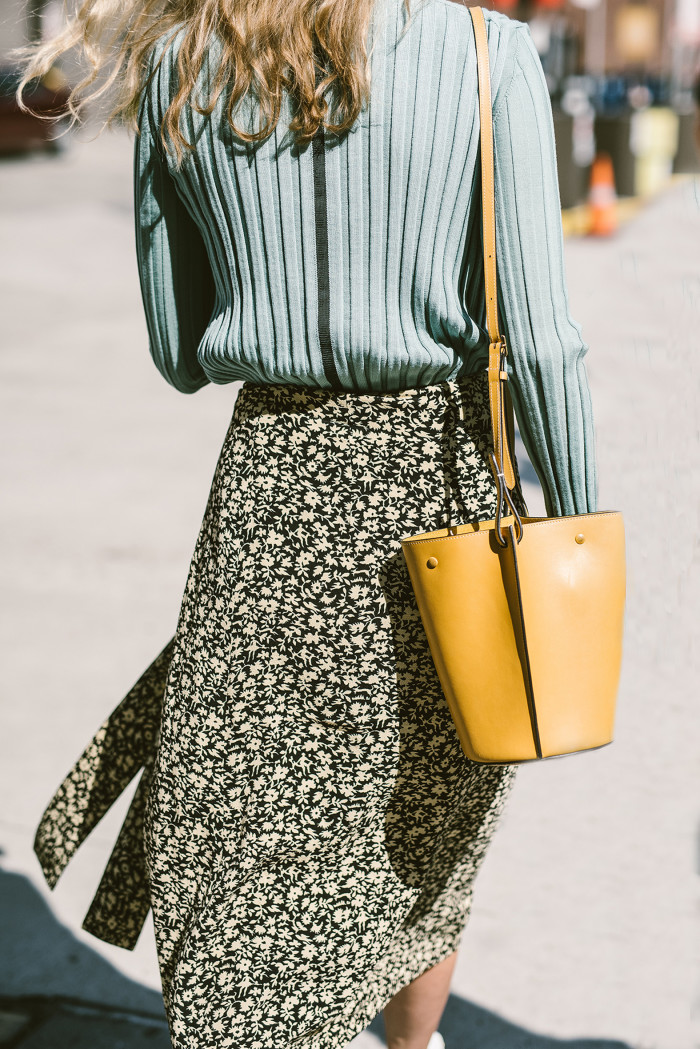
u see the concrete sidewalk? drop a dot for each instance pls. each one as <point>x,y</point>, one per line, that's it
<point>583,931</point>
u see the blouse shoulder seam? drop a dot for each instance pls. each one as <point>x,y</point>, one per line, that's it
<point>504,89</point>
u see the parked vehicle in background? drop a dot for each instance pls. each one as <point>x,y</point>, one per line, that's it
<point>21,132</point>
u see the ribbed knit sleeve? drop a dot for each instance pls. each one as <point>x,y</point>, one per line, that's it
<point>550,387</point>
<point>176,280</point>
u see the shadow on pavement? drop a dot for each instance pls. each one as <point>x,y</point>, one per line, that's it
<point>468,1026</point>
<point>58,993</point>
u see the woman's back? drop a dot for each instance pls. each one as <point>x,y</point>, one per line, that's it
<point>356,262</point>
<point>307,829</point>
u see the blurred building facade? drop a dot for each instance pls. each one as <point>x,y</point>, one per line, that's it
<point>620,73</point>
<point>611,36</point>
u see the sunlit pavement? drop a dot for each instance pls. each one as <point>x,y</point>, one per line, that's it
<point>584,922</point>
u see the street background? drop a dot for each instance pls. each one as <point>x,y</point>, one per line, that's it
<point>584,930</point>
<point>585,915</point>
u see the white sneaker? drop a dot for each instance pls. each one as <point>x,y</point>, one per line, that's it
<point>436,1041</point>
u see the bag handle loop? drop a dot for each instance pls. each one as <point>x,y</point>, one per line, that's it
<point>500,406</point>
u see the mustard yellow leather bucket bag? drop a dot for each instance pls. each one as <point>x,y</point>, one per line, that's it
<point>523,615</point>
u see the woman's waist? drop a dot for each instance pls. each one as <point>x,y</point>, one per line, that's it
<point>418,410</point>
<point>398,367</point>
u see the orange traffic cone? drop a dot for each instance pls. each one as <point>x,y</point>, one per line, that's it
<point>602,198</point>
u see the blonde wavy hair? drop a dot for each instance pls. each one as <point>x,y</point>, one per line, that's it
<point>267,47</point>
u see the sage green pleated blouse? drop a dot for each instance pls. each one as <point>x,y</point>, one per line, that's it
<point>357,263</point>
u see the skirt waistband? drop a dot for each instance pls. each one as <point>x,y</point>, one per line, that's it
<point>449,390</point>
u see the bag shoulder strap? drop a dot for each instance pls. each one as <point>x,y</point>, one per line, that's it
<point>499,401</point>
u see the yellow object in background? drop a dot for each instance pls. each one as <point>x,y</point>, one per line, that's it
<point>654,143</point>
<point>55,79</point>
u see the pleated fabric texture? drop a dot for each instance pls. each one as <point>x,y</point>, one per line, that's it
<point>313,829</point>
<point>356,263</point>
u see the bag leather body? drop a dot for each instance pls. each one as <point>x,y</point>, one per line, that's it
<point>524,615</point>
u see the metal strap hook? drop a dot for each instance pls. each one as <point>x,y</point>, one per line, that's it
<point>505,503</point>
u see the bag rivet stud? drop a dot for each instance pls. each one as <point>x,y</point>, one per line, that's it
<point>432,562</point>
<point>580,538</point>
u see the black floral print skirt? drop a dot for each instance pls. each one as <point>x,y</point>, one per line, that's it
<point>313,828</point>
